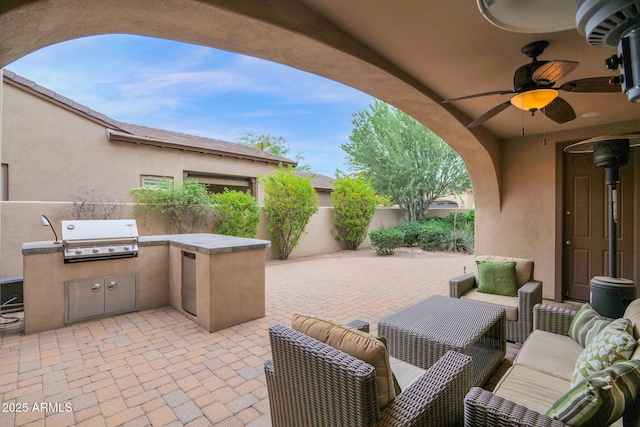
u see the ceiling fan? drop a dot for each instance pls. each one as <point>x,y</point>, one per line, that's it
<point>533,87</point>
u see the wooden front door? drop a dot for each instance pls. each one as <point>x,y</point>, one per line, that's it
<point>586,224</point>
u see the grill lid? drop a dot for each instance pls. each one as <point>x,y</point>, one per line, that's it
<point>89,231</point>
<point>90,240</point>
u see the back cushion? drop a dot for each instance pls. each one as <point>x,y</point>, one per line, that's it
<point>524,267</point>
<point>355,343</point>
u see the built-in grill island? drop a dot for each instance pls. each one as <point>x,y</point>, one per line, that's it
<point>92,240</point>
<point>103,268</point>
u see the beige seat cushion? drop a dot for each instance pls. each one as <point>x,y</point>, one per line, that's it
<point>549,353</point>
<point>355,343</point>
<point>405,373</point>
<point>510,304</point>
<point>524,267</point>
<point>633,314</point>
<point>533,389</point>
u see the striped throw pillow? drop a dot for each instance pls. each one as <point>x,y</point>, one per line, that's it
<point>586,325</point>
<point>601,398</point>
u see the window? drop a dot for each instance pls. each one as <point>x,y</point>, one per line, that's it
<point>4,182</point>
<point>217,183</point>
<point>149,180</point>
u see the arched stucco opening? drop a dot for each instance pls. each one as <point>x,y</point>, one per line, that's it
<point>284,32</point>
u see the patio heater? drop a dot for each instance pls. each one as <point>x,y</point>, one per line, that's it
<point>610,295</point>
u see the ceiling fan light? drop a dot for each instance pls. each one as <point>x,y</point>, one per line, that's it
<point>533,100</point>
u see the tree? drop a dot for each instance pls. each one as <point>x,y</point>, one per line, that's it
<point>272,144</point>
<point>404,159</point>
<point>289,202</point>
<point>237,213</point>
<point>354,202</point>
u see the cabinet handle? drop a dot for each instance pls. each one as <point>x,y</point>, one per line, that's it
<point>96,287</point>
<point>113,285</point>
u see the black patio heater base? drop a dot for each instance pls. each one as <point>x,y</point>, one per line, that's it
<point>610,295</point>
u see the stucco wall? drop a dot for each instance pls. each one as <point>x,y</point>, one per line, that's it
<point>525,225</point>
<point>20,222</point>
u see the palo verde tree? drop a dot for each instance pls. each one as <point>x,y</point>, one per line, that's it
<point>354,203</point>
<point>404,159</point>
<point>289,202</point>
<point>272,144</point>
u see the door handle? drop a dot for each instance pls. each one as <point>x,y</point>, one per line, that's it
<point>96,287</point>
<point>568,243</point>
<point>113,285</point>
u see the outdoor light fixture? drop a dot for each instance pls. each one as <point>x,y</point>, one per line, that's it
<point>534,100</point>
<point>45,222</point>
<point>532,16</point>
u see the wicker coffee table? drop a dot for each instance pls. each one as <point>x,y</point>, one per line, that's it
<point>423,333</point>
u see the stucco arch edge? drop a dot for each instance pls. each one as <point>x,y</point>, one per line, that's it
<point>286,32</point>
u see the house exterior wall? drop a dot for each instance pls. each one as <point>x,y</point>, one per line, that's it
<point>53,153</point>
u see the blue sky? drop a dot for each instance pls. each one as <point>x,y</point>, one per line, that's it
<point>201,91</point>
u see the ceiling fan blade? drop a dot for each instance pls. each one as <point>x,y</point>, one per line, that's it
<point>559,111</point>
<point>552,71</point>
<point>592,84</point>
<point>489,114</point>
<point>477,95</point>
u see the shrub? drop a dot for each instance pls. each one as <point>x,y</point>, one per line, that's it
<point>354,203</point>
<point>386,241</point>
<point>289,202</point>
<point>90,204</point>
<point>184,207</point>
<point>237,213</point>
<point>411,230</point>
<point>460,239</point>
<point>432,234</point>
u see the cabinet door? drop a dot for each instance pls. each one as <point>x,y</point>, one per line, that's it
<point>120,294</point>
<point>85,298</point>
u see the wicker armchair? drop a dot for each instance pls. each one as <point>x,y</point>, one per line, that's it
<point>519,309</point>
<point>313,384</point>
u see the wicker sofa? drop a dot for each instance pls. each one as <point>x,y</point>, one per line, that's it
<point>540,375</point>
<point>311,383</point>
<point>519,309</point>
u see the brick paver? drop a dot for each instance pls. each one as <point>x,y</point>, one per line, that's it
<point>158,368</point>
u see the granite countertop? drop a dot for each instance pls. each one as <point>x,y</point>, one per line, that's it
<point>202,242</point>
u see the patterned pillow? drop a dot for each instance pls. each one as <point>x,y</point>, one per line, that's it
<point>586,325</point>
<point>613,344</point>
<point>601,398</point>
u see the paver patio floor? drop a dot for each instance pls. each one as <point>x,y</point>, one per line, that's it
<point>158,368</point>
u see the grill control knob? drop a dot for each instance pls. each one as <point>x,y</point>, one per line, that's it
<point>78,251</point>
<point>112,249</point>
<point>96,250</point>
<point>126,248</point>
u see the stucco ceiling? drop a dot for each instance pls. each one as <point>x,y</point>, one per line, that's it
<point>454,51</point>
<point>441,49</point>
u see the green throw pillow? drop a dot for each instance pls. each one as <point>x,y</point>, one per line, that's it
<point>586,325</point>
<point>600,399</point>
<point>614,344</point>
<point>497,278</point>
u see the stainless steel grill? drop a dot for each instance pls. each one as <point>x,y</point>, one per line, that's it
<point>91,240</point>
